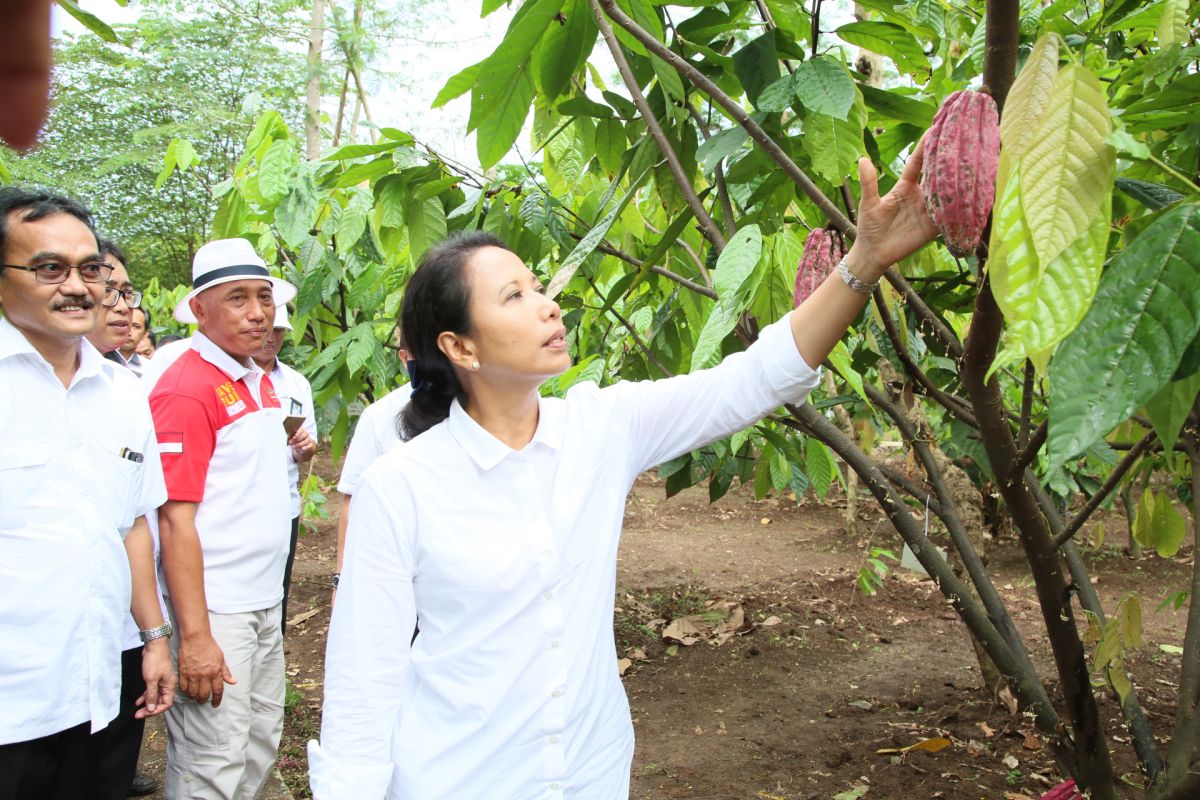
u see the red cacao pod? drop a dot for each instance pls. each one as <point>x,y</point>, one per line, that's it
<point>1064,791</point>
<point>823,249</point>
<point>962,151</point>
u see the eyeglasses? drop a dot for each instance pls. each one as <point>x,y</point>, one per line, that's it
<point>52,272</point>
<point>133,298</point>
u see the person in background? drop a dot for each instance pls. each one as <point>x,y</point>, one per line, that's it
<point>224,529</point>
<point>76,427</point>
<point>295,397</point>
<point>117,746</point>
<point>378,431</point>
<point>145,350</point>
<point>139,323</point>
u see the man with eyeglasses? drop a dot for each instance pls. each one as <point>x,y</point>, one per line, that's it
<point>76,480</point>
<point>117,746</point>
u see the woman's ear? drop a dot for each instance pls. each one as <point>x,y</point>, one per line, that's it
<point>460,350</point>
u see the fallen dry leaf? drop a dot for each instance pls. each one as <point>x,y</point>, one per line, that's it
<point>1010,761</point>
<point>987,729</point>
<point>1010,702</point>
<point>1032,742</point>
<point>928,745</point>
<point>623,665</point>
<point>770,621</point>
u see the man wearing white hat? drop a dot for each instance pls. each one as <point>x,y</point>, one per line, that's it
<point>295,396</point>
<point>224,528</point>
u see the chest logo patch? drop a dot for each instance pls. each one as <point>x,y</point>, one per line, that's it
<point>228,396</point>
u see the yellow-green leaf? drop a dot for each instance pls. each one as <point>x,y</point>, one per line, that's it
<point>1041,304</point>
<point>1129,612</point>
<point>1172,25</point>
<point>1026,104</point>
<point>1067,173</point>
<point>1159,524</point>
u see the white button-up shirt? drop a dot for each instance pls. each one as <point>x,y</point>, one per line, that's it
<point>507,559</point>
<point>375,434</point>
<point>77,466</point>
<point>291,385</point>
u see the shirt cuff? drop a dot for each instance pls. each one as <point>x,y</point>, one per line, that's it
<point>330,780</point>
<point>784,368</point>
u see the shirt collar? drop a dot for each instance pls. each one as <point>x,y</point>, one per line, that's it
<point>487,451</point>
<point>214,355</point>
<point>14,343</point>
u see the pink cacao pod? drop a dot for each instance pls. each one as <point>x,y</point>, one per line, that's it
<point>962,151</point>
<point>823,249</point>
<point>1064,791</point>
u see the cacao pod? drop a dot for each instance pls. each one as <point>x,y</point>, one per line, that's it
<point>823,249</point>
<point>1064,791</point>
<point>962,151</point>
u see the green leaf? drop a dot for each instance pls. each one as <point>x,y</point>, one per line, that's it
<point>1146,313</point>
<point>426,223</point>
<point>277,170</point>
<point>1067,172</point>
<point>819,466</point>
<point>583,106</point>
<point>565,48</point>
<point>1041,304</point>
<point>297,214</point>
<point>1158,524</point>
<point>1173,25</point>
<point>835,144</point>
<point>824,86</point>
<point>89,21</point>
<point>897,106</point>
<point>840,358</point>
<point>361,347</point>
<point>230,219</point>
<point>1028,100</point>
<point>722,144</point>
<point>1151,195</point>
<point>1168,409</point>
<point>757,65</point>
<point>459,84</point>
<point>611,144</point>
<point>350,151</point>
<point>1129,613</point>
<point>590,241</point>
<point>888,39</point>
<point>169,161</point>
<point>353,221</point>
<point>736,267</point>
<point>504,86</point>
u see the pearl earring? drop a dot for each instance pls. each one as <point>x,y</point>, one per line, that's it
<point>474,365</point>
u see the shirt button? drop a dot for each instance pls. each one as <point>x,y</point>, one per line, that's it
<point>545,555</point>
<point>554,787</point>
<point>553,740</point>
<point>556,693</point>
<point>554,644</point>
<point>548,596</point>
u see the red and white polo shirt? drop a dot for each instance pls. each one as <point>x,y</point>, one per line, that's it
<point>223,446</point>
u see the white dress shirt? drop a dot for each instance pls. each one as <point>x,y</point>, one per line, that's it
<point>291,385</point>
<point>507,559</point>
<point>375,434</point>
<point>74,475</point>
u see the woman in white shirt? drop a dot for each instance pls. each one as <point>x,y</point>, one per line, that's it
<point>496,528</point>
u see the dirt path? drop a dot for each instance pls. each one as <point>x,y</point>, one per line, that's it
<point>798,702</point>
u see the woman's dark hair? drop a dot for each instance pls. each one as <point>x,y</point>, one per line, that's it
<point>437,300</point>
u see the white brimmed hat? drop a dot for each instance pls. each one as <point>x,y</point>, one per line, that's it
<point>228,260</point>
<point>281,317</point>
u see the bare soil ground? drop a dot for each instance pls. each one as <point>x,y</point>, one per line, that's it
<point>816,680</point>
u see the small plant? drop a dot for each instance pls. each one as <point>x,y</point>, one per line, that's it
<point>312,498</point>
<point>874,569</point>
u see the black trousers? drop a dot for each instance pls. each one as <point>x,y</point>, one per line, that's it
<point>287,573</point>
<point>60,766</point>
<point>116,747</point>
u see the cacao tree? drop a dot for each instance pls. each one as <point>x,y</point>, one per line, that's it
<point>1052,363</point>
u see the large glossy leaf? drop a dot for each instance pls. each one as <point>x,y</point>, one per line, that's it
<point>824,86</point>
<point>277,170</point>
<point>1042,304</point>
<point>1158,524</point>
<point>733,279</point>
<point>833,144</point>
<point>458,84</point>
<point>295,216</point>
<point>89,21</point>
<point>1173,25</point>
<point>898,107</point>
<point>1170,406</point>
<point>1146,313</point>
<point>1067,172</point>
<point>1151,195</point>
<point>565,48</point>
<point>888,39</point>
<point>353,221</point>
<point>1026,105</point>
<point>504,86</point>
<point>426,223</point>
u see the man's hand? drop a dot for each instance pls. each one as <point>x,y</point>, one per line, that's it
<point>203,672</point>
<point>303,446</point>
<point>159,674</point>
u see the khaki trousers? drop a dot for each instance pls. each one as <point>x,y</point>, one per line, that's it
<point>227,753</point>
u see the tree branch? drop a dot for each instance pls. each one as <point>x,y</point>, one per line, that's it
<point>1104,491</point>
<point>706,222</point>
<point>913,300</point>
<point>735,111</point>
<point>657,270</point>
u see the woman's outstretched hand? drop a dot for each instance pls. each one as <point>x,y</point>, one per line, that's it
<point>892,227</point>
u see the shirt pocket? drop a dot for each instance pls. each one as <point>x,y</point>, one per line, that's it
<point>27,487</point>
<point>118,487</point>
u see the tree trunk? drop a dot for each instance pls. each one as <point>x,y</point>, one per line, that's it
<point>312,111</point>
